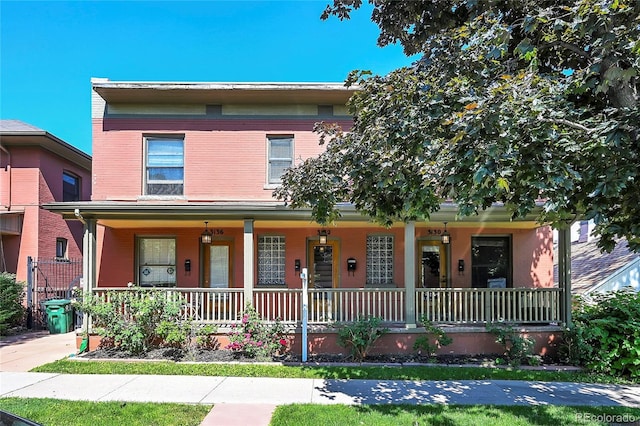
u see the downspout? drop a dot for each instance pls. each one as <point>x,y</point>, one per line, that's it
<point>8,169</point>
<point>8,206</point>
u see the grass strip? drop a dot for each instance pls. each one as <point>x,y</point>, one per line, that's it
<point>449,415</point>
<point>66,366</point>
<point>81,413</point>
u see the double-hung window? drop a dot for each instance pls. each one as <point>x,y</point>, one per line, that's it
<point>271,262</point>
<point>379,260</point>
<point>70,187</point>
<point>280,154</point>
<point>156,262</point>
<point>164,166</point>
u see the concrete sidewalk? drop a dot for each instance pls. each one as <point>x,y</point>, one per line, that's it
<point>251,401</point>
<point>259,390</point>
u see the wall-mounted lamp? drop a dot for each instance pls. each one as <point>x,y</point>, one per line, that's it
<point>445,237</point>
<point>206,235</point>
<point>322,236</point>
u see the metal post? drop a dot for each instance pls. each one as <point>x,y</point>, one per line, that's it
<point>305,311</point>
<point>30,270</point>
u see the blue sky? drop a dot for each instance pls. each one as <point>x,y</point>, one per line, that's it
<point>50,50</point>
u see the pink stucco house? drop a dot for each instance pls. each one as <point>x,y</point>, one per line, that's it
<point>37,168</point>
<point>183,175</point>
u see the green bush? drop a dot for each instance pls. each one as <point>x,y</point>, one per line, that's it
<point>358,337</point>
<point>11,297</point>
<point>205,336</point>
<point>255,338</point>
<point>609,333</point>
<point>135,320</point>
<point>517,348</point>
<point>435,339</point>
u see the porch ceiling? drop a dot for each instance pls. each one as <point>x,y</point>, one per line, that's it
<point>271,214</point>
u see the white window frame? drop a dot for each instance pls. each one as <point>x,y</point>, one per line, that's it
<point>169,264</point>
<point>146,167</point>
<point>271,260</point>
<point>271,180</point>
<point>380,250</point>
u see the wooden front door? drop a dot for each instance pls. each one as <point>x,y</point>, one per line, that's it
<point>217,262</point>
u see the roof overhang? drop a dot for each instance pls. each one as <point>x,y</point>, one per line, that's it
<point>222,93</point>
<point>139,215</point>
<point>45,140</point>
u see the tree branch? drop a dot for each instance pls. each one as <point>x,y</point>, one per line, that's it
<point>568,123</point>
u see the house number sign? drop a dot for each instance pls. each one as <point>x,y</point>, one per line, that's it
<point>217,231</point>
<point>434,231</point>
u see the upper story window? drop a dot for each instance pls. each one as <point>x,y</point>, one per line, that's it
<point>379,259</point>
<point>70,187</point>
<point>271,263</point>
<point>164,166</point>
<point>491,262</point>
<point>280,154</point>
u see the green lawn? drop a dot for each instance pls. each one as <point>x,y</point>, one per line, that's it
<point>446,415</point>
<point>56,412</point>
<point>375,372</point>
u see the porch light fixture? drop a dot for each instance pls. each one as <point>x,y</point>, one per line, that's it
<point>322,236</point>
<point>206,235</point>
<point>445,237</point>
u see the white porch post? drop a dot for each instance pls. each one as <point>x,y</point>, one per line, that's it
<point>89,255</point>
<point>410,274</point>
<point>564,272</point>
<point>248,261</point>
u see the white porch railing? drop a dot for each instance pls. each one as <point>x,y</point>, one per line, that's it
<point>451,305</point>
<point>483,305</point>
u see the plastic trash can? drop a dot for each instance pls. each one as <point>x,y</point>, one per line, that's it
<point>59,315</point>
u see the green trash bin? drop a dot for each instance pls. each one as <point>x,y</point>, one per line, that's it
<point>59,315</point>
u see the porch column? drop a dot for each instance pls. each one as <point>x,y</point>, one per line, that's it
<point>89,255</point>
<point>564,272</point>
<point>410,274</point>
<point>248,261</point>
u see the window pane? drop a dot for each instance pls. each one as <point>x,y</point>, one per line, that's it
<point>165,173</point>
<point>157,262</point>
<point>271,260</point>
<point>161,152</point>
<point>281,148</point>
<point>380,259</point>
<point>491,259</point>
<point>277,169</point>
<point>219,262</point>
<point>70,187</point>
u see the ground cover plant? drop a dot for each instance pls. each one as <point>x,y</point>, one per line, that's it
<point>449,415</point>
<point>81,413</point>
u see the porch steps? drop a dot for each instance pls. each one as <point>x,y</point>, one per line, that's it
<point>239,415</point>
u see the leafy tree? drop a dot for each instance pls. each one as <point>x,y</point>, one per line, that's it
<point>521,102</point>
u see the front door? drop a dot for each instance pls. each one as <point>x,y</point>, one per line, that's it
<point>217,265</point>
<point>433,264</point>
<point>323,264</point>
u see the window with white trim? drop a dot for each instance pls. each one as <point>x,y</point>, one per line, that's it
<point>164,166</point>
<point>280,155</point>
<point>271,261</point>
<point>379,259</point>
<point>156,262</point>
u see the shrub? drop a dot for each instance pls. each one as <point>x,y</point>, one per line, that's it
<point>256,338</point>
<point>435,339</point>
<point>204,336</point>
<point>517,348</point>
<point>11,297</point>
<point>358,337</point>
<point>609,329</point>
<point>134,320</point>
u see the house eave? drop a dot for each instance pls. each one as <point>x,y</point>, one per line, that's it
<point>267,211</point>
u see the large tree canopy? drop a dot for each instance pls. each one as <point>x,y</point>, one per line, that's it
<point>513,101</point>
